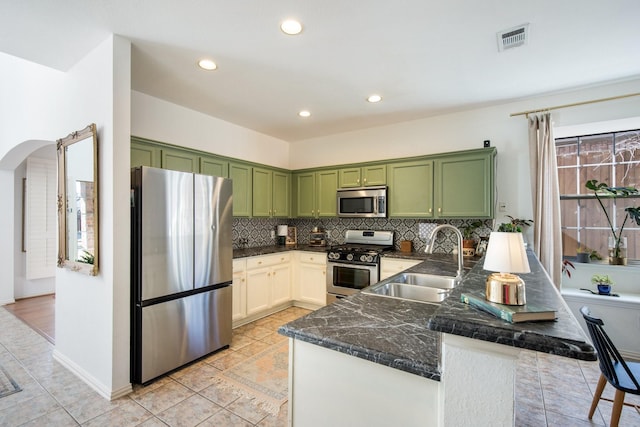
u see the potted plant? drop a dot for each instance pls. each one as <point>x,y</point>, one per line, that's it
<point>515,225</point>
<point>617,247</point>
<point>585,255</point>
<point>467,234</point>
<point>603,282</point>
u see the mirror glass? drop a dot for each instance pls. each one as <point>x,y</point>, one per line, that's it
<point>78,201</point>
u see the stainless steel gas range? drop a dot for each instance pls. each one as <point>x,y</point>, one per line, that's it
<point>356,264</point>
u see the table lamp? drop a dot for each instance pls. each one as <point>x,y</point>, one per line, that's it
<point>507,255</point>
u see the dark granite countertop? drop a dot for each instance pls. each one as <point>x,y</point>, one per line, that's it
<point>564,337</point>
<point>405,335</point>
<point>273,249</point>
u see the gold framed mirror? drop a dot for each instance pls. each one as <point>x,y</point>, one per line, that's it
<point>78,201</point>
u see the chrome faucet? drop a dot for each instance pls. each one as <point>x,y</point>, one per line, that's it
<point>432,239</point>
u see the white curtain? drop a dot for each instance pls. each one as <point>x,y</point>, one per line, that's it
<point>547,237</point>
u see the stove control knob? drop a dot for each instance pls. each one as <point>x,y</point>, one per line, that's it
<point>350,257</point>
<point>332,255</point>
<point>367,258</point>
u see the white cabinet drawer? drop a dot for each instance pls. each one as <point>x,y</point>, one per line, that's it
<point>313,257</point>
<point>267,260</point>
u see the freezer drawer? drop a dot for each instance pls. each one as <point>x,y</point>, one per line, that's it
<point>176,332</point>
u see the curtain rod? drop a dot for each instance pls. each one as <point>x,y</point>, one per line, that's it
<point>593,101</point>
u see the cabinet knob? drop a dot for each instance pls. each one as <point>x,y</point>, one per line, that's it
<point>365,180</point>
<point>439,210</point>
<point>259,262</point>
<point>430,210</point>
<point>358,181</point>
<point>311,259</point>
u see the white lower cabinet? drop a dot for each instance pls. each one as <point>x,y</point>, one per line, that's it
<point>268,282</point>
<point>239,288</point>
<point>389,266</point>
<point>311,278</point>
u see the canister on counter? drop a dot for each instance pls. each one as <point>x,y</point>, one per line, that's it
<point>406,246</point>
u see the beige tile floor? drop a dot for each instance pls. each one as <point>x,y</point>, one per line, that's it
<point>550,391</point>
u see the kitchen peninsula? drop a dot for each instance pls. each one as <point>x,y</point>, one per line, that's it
<point>370,360</point>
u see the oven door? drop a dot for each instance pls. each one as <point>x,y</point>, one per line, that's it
<point>347,279</point>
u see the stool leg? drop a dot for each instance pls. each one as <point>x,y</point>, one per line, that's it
<point>618,400</point>
<point>602,381</point>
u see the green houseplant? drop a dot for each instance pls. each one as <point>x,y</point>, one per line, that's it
<point>515,225</point>
<point>603,282</point>
<point>467,234</point>
<point>617,251</point>
<point>585,254</point>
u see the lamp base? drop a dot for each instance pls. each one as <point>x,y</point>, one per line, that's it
<point>505,288</point>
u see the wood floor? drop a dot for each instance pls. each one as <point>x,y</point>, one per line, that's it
<point>37,312</point>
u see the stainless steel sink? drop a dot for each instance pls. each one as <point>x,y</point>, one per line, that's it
<point>409,292</point>
<point>419,287</point>
<point>430,280</point>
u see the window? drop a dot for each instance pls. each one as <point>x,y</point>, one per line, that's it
<point>613,158</point>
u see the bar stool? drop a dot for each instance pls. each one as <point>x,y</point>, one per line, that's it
<point>620,374</point>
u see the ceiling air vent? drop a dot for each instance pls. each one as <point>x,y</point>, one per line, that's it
<point>513,37</point>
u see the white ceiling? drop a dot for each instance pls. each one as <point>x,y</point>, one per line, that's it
<point>424,57</point>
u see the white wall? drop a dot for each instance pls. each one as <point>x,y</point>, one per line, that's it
<point>92,313</point>
<point>468,129</point>
<point>163,121</point>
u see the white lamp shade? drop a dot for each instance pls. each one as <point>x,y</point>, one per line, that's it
<point>506,253</point>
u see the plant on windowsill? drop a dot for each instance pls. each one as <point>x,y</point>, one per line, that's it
<point>618,243</point>
<point>585,255</point>
<point>603,282</point>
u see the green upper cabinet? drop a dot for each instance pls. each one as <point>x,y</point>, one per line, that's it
<point>363,176</point>
<point>143,154</point>
<point>241,175</point>
<point>464,185</point>
<point>304,194</point>
<point>180,160</point>
<point>281,194</point>
<point>326,197</point>
<point>210,165</point>
<point>271,190</point>
<point>410,189</point>
<point>262,192</point>
<point>314,194</point>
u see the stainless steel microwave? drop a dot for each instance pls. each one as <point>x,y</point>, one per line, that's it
<point>362,202</point>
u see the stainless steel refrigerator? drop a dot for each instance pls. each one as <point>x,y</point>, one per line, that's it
<point>181,269</point>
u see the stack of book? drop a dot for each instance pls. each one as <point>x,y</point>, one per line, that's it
<point>510,313</point>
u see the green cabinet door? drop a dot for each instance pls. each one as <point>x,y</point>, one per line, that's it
<point>304,194</point>
<point>464,185</point>
<point>349,177</point>
<point>241,175</point>
<point>326,198</point>
<point>210,165</point>
<point>262,188</point>
<point>374,175</point>
<point>410,189</point>
<point>281,192</point>
<point>180,160</point>
<point>144,154</point>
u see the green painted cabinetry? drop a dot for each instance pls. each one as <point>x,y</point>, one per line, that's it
<point>362,176</point>
<point>464,185</point>
<point>241,175</point>
<point>143,154</point>
<point>210,165</point>
<point>314,193</point>
<point>271,193</point>
<point>180,160</point>
<point>410,193</point>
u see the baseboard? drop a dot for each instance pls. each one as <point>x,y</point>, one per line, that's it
<point>90,380</point>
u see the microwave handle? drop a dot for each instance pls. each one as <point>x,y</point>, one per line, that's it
<point>375,204</point>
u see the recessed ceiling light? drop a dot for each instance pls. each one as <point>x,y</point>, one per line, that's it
<point>304,113</point>
<point>374,98</point>
<point>291,27</point>
<point>207,64</point>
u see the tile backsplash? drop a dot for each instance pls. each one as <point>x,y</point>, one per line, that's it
<point>257,231</point>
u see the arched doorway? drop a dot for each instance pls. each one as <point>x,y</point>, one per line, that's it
<point>33,289</point>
